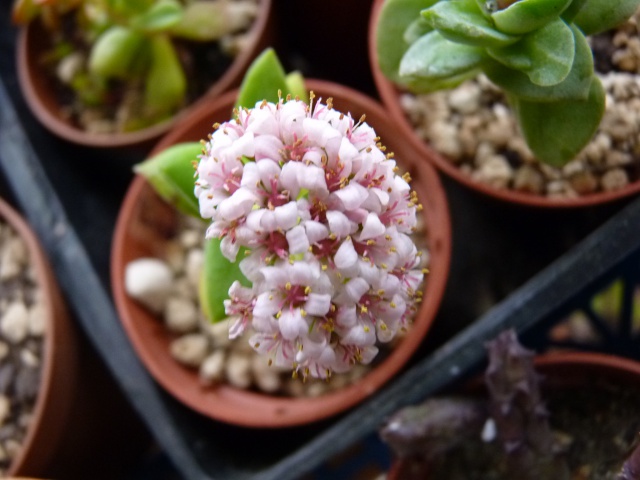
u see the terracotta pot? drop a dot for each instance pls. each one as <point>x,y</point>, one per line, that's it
<point>133,239</point>
<point>43,100</point>
<point>390,93</point>
<point>81,423</point>
<point>59,367</point>
<point>563,370</point>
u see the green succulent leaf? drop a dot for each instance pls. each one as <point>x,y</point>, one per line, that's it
<point>163,15</point>
<point>525,16</point>
<point>556,132</point>
<point>264,78</point>
<point>462,21</point>
<point>170,173</point>
<point>396,17</point>
<point>575,86</point>
<point>202,22</point>
<point>572,10</point>
<point>415,30</point>
<point>296,87</point>
<point>600,15</point>
<point>545,55</point>
<point>166,83</point>
<point>114,51</point>
<point>434,61</point>
<point>217,276</point>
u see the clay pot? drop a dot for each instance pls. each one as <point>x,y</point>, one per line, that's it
<point>134,239</point>
<point>43,100</point>
<point>389,94</point>
<point>81,424</point>
<point>562,370</point>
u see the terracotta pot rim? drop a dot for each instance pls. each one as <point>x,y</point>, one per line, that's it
<point>288,411</point>
<point>50,401</point>
<point>78,136</point>
<point>389,93</point>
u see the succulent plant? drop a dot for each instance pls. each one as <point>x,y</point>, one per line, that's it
<point>536,51</point>
<point>133,42</point>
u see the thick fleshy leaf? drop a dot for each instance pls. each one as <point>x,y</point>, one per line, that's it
<point>434,58</point>
<point>163,15</point>
<point>575,86</point>
<point>462,21</point>
<point>415,30</point>
<point>556,132</point>
<point>166,83</point>
<point>202,21</point>
<point>170,173</point>
<point>545,55</point>
<point>396,16</point>
<point>600,15</point>
<point>295,86</point>
<point>264,78</point>
<point>114,51</point>
<point>572,10</point>
<point>218,274</point>
<point>525,16</point>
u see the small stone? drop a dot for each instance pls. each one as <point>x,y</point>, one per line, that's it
<point>193,266</point>
<point>238,370</point>
<point>29,358</point>
<point>584,182</point>
<point>37,319</point>
<point>614,179</point>
<point>12,447</point>
<point>4,350</point>
<point>465,99</point>
<point>444,139</point>
<point>496,172</point>
<point>528,179</point>
<point>5,408</point>
<point>265,376</point>
<point>190,349</point>
<point>218,332</point>
<point>181,315</point>
<point>315,389</point>
<point>213,367</point>
<point>69,66</point>
<point>13,258</point>
<point>14,324</point>
<point>149,281</point>
<point>190,239</point>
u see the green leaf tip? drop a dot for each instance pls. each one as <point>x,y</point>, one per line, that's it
<point>171,174</point>
<point>266,80</point>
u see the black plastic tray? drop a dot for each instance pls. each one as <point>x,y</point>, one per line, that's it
<point>512,266</point>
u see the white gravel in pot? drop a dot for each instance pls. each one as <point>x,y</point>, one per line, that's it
<point>22,327</point>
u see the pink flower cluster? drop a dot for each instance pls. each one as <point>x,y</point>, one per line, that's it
<point>327,221</point>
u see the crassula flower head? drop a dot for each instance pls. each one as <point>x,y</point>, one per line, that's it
<point>324,221</point>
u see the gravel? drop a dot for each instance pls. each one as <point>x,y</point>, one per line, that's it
<point>22,327</point>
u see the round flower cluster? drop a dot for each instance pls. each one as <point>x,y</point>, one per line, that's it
<point>327,221</point>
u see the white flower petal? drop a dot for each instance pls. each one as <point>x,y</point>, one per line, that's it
<point>372,227</point>
<point>346,256</point>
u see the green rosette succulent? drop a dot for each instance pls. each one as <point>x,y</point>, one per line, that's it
<point>534,50</point>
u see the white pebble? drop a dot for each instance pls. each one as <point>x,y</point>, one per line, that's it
<point>190,349</point>
<point>149,281</point>
<point>238,370</point>
<point>614,179</point>
<point>14,323</point>
<point>69,66</point>
<point>28,358</point>
<point>37,319</point>
<point>212,368</point>
<point>266,377</point>
<point>193,266</point>
<point>181,315</point>
<point>5,408</point>
<point>14,257</point>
